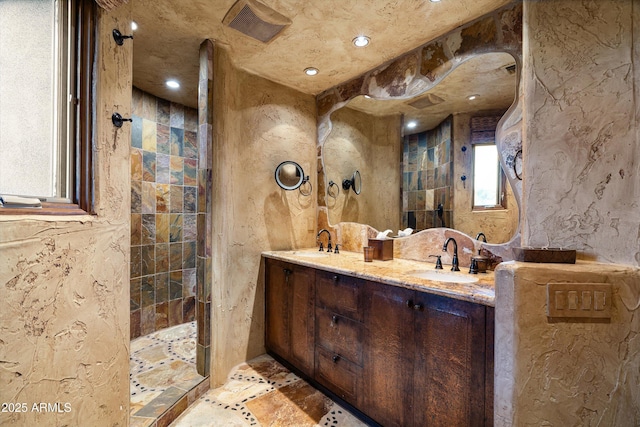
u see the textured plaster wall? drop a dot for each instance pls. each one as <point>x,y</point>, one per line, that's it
<point>566,373</point>
<point>498,225</point>
<point>372,145</point>
<point>64,321</point>
<point>257,125</point>
<point>582,145</point>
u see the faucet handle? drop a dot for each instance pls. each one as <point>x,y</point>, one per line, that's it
<point>438,261</point>
<point>321,247</point>
<point>473,268</point>
<point>336,250</point>
<point>329,248</point>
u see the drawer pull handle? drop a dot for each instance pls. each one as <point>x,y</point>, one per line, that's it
<point>334,319</point>
<point>335,358</point>
<point>336,278</point>
<point>409,303</point>
<point>417,307</point>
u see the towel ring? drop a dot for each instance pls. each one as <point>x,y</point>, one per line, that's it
<point>333,184</point>
<point>305,192</point>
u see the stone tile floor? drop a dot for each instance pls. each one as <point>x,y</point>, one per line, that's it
<point>163,376</point>
<point>262,392</point>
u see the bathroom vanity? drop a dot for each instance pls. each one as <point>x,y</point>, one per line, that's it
<point>402,349</point>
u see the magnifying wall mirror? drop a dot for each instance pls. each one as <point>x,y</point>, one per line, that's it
<point>354,182</point>
<point>290,176</point>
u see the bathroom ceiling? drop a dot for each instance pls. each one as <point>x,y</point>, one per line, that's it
<point>320,35</point>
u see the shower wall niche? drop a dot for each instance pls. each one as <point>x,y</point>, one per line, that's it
<point>164,194</point>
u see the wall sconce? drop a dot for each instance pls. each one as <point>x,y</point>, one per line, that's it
<point>119,38</point>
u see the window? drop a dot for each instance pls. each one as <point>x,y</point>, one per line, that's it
<point>488,179</point>
<point>46,59</point>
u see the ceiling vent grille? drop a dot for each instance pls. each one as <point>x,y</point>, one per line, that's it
<point>255,20</point>
<point>426,101</point>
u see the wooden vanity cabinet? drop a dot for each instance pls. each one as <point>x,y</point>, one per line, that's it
<point>424,359</point>
<point>338,335</point>
<point>289,313</point>
<point>399,356</point>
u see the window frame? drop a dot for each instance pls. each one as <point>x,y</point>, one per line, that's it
<point>501,184</point>
<point>75,117</point>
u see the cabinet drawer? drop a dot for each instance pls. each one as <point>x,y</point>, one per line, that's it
<point>339,293</point>
<point>338,375</point>
<point>339,334</point>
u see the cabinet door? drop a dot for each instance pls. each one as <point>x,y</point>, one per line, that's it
<point>277,336</point>
<point>388,353</point>
<point>301,318</point>
<point>449,365</point>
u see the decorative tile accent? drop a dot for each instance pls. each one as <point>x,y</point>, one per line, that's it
<point>136,229</point>
<point>177,115</point>
<point>148,166</point>
<point>163,168</point>
<point>162,198</point>
<point>177,170</point>
<point>136,196</point>
<point>164,139</point>
<point>175,285</point>
<point>162,228</point>
<point>190,175</point>
<point>189,255</point>
<point>176,228</point>
<point>189,227</point>
<point>175,259</point>
<point>163,112</point>
<point>148,197</point>
<point>148,229</point>
<point>148,260</point>
<point>190,145</point>
<point>176,198</point>
<point>177,141</point>
<point>136,164</point>
<point>149,135</point>
<point>190,199</point>
<point>162,260</point>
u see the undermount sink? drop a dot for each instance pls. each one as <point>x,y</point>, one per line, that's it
<point>317,254</point>
<point>442,276</point>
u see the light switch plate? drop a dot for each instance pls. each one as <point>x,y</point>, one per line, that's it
<point>579,300</point>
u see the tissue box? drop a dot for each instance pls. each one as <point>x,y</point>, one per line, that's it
<point>384,249</point>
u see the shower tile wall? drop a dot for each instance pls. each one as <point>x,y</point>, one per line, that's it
<point>427,170</point>
<point>164,186</point>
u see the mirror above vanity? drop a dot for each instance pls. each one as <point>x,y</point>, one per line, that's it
<point>411,172</point>
<point>369,135</point>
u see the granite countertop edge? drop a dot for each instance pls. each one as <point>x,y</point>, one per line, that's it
<point>394,272</point>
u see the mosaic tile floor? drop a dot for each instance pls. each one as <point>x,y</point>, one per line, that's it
<point>262,392</point>
<point>163,376</point>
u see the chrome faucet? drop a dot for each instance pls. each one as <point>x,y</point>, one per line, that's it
<point>329,247</point>
<point>454,262</point>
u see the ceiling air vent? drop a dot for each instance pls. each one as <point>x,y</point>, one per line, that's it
<point>426,101</point>
<point>255,20</point>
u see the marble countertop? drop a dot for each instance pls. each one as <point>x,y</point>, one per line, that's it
<point>396,272</point>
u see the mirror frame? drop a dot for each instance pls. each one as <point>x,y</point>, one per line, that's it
<point>299,171</point>
<point>421,69</point>
<point>351,183</point>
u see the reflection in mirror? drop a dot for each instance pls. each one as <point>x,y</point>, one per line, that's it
<point>355,182</point>
<point>290,176</point>
<point>410,172</point>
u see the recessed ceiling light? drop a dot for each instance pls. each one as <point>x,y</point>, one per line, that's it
<point>412,124</point>
<point>367,97</point>
<point>172,84</point>
<point>472,97</point>
<point>134,26</point>
<point>435,1</point>
<point>361,41</point>
<point>310,71</point>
